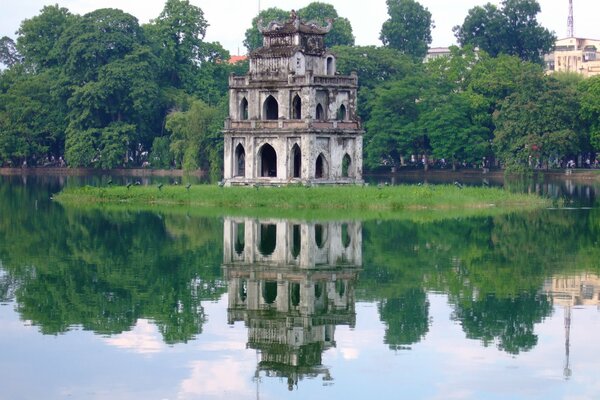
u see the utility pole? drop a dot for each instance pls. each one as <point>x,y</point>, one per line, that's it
<point>570,22</point>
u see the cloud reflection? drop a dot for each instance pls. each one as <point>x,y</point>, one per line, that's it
<point>144,338</point>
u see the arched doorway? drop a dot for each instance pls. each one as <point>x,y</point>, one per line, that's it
<point>244,109</point>
<point>268,161</point>
<point>346,165</point>
<point>240,161</point>
<point>270,108</point>
<point>321,167</point>
<point>297,107</point>
<point>296,158</point>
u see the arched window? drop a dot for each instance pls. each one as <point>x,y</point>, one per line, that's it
<point>269,292</point>
<point>346,238</point>
<point>321,167</point>
<point>297,107</point>
<point>244,109</point>
<point>320,112</point>
<point>270,108</point>
<point>240,240</point>
<point>240,161</point>
<point>268,239</point>
<point>341,115</point>
<point>243,290</point>
<point>296,161</point>
<point>296,241</point>
<point>268,161</point>
<point>330,68</point>
<point>295,294</point>
<point>346,164</point>
<point>320,236</point>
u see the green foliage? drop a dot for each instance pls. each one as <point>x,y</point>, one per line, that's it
<point>512,29</point>
<point>9,55</point>
<point>406,318</point>
<point>39,36</point>
<point>537,122</point>
<point>192,133</point>
<point>161,156</point>
<point>453,130</point>
<point>356,202</point>
<point>95,40</point>
<point>32,119</point>
<point>590,108</point>
<point>408,29</point>
<point>177,37</point>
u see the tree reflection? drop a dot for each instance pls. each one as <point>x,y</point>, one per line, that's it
<point>102,271</point>
<point>406,318</point>
<point>508,321</point>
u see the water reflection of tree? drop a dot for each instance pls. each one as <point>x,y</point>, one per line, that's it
<point>493,270</point>
<point>406,317</point>
<point>102,271</point>
<point>508,321</point>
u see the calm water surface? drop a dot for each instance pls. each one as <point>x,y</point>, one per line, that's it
<point>142,305</point>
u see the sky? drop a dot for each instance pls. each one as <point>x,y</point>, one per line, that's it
<point>229,19</point>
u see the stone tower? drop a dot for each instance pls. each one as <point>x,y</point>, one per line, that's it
<point>292,118</point>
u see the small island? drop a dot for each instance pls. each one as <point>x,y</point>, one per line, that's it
<point>330,202</point>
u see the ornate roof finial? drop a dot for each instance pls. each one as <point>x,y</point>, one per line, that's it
<point>294,19</point>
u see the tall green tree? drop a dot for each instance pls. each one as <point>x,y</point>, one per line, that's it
<point>32,119</point>
<point>112,79</point>
<point>39,36</point>
<point>590,108</point>
<point>537,123</point>
<point>177,36</point>
<point>512,29</point>
<point>9,55</point>
<point>392,130</point>
<point>453,129</point>
<point>374,66</point>
<point>195,136</point>
<point>408,29</point>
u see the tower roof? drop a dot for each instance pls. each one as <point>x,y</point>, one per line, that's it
<point>284,39</point>
<point>294,25</point>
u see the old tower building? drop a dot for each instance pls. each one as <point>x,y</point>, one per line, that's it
<point>292,118</point>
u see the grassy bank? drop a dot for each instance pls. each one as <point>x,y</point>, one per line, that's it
<point>315,202</point>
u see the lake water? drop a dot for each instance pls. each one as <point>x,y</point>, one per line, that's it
<point>141,305</point>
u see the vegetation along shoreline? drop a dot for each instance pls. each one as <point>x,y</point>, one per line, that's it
<point>352,202</point>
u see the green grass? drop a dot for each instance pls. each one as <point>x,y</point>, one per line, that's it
<point>325,202</point>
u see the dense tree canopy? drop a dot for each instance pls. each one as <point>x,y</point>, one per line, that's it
<point>408,29</point>
<point>512,29</point>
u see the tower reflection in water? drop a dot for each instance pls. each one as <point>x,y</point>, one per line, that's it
<point>291,283</point>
